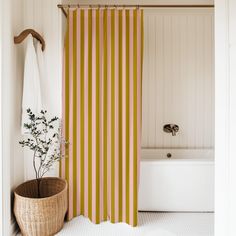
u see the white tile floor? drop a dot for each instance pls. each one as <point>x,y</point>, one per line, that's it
<point>150,224</point>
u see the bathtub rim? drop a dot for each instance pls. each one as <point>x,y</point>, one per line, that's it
<point>203,156</point>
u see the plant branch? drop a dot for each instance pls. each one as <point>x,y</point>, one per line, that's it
<point>34,165</point>
<point>45,143</point>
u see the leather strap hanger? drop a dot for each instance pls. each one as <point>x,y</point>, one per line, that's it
<point>21,37</point>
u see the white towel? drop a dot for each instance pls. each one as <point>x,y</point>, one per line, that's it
<point>31,88</point>
<point>44,82</point>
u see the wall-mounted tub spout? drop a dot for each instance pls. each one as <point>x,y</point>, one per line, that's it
<point>171,128</point>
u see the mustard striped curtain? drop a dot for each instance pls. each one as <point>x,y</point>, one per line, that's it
<point>102,113</point>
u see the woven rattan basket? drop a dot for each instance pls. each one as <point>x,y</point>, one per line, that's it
<point>41,216</point>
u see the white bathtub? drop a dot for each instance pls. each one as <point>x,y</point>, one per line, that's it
<point>184,182</point>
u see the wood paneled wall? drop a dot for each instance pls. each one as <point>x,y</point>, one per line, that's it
<point>178,78</point>
<point>46,18</point>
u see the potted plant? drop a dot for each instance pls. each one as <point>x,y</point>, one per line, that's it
<point>40,204</point>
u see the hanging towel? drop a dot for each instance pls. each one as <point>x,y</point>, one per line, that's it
<point>44,83</point>
<point>31,88</point>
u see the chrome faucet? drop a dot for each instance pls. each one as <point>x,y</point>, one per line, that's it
<point>171,128</point>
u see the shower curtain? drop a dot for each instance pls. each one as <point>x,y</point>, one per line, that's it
<point>102,113</point>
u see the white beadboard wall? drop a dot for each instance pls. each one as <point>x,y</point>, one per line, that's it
<point>178,78</point>
<point>178,75</point>
<point>46,18</point>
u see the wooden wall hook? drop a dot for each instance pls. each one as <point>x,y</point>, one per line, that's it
<point>20,38</point>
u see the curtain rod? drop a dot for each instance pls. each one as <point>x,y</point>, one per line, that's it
<point>66,6</point>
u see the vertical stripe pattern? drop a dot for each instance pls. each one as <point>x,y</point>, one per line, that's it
<point>102,113</point>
